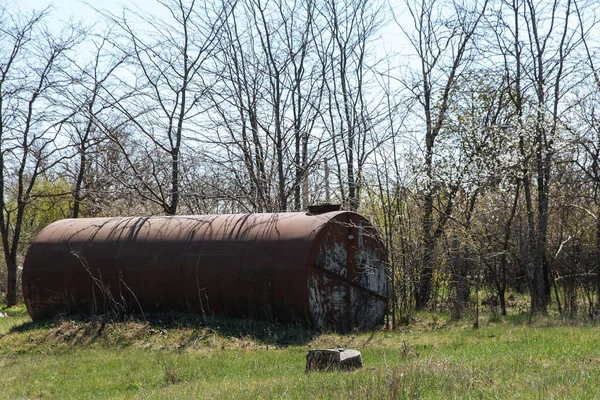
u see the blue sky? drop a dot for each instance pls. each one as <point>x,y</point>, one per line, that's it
<point>83,11</point>
<point>63,9</point>
<point>393,40</point>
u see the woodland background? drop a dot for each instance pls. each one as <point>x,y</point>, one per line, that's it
<point>474,148</point>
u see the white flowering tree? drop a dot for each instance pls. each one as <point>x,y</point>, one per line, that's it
<point>442,37</point>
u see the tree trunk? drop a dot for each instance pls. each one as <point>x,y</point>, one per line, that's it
<point>78,185</point>
<point>598,256</point>
<point>172,208</point>
<point>502,298</point>
<point>457,278</point>
<point>423,294</point>
<point>11,288</point>
<point>425,274</point>
<point>539,298</point>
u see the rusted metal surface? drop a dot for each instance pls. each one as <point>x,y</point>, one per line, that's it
<point>326,270</point>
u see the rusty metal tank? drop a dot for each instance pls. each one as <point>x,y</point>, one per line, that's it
<point>325,270</point>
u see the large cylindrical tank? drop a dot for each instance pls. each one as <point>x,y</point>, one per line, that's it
<point>326,270</point>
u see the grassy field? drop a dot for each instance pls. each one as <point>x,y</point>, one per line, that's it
<point>176,356</point>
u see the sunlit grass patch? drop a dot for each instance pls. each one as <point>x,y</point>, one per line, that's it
<point>183,357</point>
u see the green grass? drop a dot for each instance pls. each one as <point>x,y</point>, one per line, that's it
<point>177,356</point>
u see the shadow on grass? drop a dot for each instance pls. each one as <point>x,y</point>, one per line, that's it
<point>30,326</point>
<point>520,319</point>
<point>87,329</point>
<point>552,319</point>
<point>268,333</point>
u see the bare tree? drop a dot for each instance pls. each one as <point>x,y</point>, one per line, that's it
<point>91,105</point>
<point>352,111</point>
<point>237,96</point>
<point>166,59</point>
<point>31,123</point>
<point>586,127</point>
<point>388,198</point>
<point>266,103</point>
